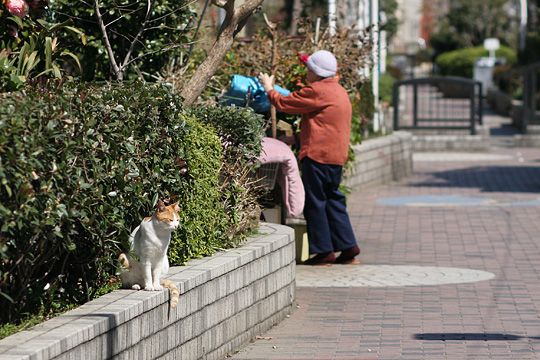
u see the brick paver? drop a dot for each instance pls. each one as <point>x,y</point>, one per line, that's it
<point>492,319</point>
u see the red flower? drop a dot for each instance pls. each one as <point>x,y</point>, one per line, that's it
<point>17,7</point>
<point>303,58</point>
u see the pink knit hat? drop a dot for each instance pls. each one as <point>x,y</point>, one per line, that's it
<point>322,63</point>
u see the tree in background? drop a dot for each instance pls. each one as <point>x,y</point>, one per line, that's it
<point>235,19</point>
<point>127,37</point>
<point>469,23</point>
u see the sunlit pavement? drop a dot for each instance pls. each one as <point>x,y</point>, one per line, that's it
<point>450,269</point>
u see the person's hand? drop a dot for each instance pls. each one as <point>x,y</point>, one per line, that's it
<point>267,81</point>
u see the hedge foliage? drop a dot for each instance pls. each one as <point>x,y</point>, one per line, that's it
<point>461,62</point>
<point>80,167</point>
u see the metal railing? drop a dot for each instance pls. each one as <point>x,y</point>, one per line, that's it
<point>437,103</point>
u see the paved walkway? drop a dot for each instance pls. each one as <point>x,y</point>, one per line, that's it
<point>450,269</point>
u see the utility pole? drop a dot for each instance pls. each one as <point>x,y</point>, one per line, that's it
<point>522,23</point>
<point>374,9</point>
<point>332,17</point>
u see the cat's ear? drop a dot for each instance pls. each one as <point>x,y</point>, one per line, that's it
<point>176,207</point>
<point>160,206</point>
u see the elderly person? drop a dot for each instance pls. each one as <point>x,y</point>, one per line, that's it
<point>324,146</point>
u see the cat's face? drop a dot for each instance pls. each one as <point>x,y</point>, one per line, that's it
<point>168,215</point>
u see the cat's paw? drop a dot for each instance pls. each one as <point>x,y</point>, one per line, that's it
<point>149,288</point>
<point>158,287</point>
<point>136,287</point>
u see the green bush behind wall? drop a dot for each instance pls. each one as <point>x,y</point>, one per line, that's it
<point>203,219</point>
<point>79,168</point>
<point>461,62</point>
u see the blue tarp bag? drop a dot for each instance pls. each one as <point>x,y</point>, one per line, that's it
<point>248,90</point>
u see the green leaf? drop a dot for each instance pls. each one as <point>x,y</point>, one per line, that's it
<point>8,190</point>
<point>74,57</point>
<point>17,20</point>
<point>30,63</point>
<point>48,52</point>
<point>56,71</point>
<point>79,32</point>
<point>43,23</point>
<point>44,72</point>
<point>61,25</point>
<point>6,296</point>
<point>22,54</point>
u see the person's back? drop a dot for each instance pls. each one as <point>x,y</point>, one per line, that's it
<point>325,133</point>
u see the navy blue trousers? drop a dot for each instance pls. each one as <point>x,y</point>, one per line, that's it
<point>328,224</point>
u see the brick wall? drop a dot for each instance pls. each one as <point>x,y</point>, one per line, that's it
<point>381,160</point>
<point>225,300</point>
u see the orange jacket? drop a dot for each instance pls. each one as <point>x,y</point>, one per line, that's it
<point>325,129</point>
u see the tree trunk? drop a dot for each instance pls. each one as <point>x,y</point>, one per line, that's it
<point>195,86</point>
<point>296,13</point>
<point>233,23</point>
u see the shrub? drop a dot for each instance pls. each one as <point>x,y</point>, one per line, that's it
<point>386,84</point>
<point>461,62</point>
<point>202,217</point>
<point>240,131</point>
<point>79,169</point>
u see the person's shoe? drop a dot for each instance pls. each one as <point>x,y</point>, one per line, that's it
<point>321,259</point>
<point>347,256</point>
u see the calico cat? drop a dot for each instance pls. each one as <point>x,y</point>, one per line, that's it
<point>150,241</point>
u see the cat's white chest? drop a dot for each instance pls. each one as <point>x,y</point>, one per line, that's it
<point>151,240</point>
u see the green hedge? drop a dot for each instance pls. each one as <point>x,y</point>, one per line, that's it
<point>80,168</point>
<point>240,129</point>
<point>386,87</point>
<point>461,62</point>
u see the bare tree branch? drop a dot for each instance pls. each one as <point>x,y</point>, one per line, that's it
<point>119,74</point>
<point>234,20</point>
<point>119,18</point>
<point>171,47</point>
<point>141,30</point>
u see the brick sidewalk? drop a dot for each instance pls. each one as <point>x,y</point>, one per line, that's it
<point>455,212</point>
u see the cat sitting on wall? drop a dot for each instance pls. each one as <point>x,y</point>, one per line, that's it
<point>150,242</point>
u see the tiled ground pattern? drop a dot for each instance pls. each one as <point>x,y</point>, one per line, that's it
<point>385,275</point>
<point>495,319</point>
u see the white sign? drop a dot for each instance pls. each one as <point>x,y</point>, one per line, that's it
<point>491,45</point>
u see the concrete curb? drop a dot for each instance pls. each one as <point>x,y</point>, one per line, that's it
<point>474,143</point>
<point>225,300</point>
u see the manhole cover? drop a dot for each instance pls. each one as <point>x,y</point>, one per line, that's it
<point>385,275</point>
<point>445,157</point>
<point>525,203</point>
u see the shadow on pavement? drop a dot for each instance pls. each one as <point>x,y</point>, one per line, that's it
<point>504,130</point>
<point>488,178</point>
<point>472,336</point>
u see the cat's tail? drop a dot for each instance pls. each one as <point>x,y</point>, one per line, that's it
<point>175,293</point>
